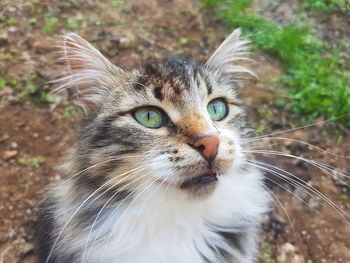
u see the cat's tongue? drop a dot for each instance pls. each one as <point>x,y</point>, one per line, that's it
<point>206,177</point>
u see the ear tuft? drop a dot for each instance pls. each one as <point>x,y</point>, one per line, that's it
<point>88,71</point>
<point>81,55</point>
<point>233,49</point>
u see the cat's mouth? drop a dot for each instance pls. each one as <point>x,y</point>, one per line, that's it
<point>209,176</point>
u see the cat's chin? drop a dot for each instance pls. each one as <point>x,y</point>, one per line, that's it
<point>200,185</point>
<point>207,177</point>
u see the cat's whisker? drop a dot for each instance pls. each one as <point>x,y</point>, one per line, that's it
<point>263,146</point>
<point>57,244</point>
<point>298,141</point>
<point>91,167</point>
<point>302,127</point>
<point>158,187</point>
<point>281,205</point>
<point>310,188</point>
<point>124,186</point>
<point>104,162</point>
<point>151,182</point>
<point>106,203</point>
<point>82,204</point>
<point>317,164</point>
<point>285,179</point>
<point>98,164</point>
<point>115,210</point>
<point>315,191</point>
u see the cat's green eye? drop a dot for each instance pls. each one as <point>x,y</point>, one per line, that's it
<point>217,109</point>
<point>150,117</point>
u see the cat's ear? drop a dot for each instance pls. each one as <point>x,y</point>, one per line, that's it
<point>233,49</point>
<point>88,71</point>
<point>81,55</point>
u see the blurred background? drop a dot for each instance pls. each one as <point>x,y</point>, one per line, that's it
<point>301,52</point>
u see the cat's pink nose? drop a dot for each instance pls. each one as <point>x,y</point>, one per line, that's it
<point>207,146</point>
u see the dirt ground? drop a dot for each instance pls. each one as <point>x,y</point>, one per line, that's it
<point>36,131</point>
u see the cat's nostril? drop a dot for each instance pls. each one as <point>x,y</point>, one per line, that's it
<point>207,146</point>
<point>200,148</point>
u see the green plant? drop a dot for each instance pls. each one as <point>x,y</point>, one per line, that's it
<point>23,185</point>
<point>74,23</point>
<point>265,113</point>
<point>32,21</point>
<point>11,21</point>
<point>265,256</point>
<point>2,83</point>
<point>67,112</point>
<point>316,78</point>
<point>326,5</point>
<point>37,161</point>
<point>50,22</point>
<point>260,129</point>
<point>6,57</point>
<point>34,91</point>
<point>342,197</point>
<point>23,160</point>
<point>118,3</point>
<point>14,83</point>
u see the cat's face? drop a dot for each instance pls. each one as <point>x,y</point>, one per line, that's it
<point>174,123</point>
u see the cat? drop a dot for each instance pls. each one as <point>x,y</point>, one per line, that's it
<point>157,172</point>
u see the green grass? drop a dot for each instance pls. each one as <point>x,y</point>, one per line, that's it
<point>118,3</point>
<point>68,111</point>
<point>50,22</point>
<point>37,161</point>
<point>11,21</point>
<point>23,160</point>
<point>2,83</point>
<point>34,91</point>
<point>326,5</point>
<point>74,23</point>
<point>316,76</point>
<point>342,197</point>
<point>265,256</point>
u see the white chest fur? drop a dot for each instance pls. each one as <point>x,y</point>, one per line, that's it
<point>172,228</point>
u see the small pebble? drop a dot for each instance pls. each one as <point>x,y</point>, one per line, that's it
<point>57,178</point>
<point>12,29</point>
<point>124,42</point>
<point>4,38</point>
<point>128,9</point>
<point>288,253</point>
<point>10,154</point>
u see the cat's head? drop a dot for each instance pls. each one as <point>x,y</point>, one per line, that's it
<point>175,122</point>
